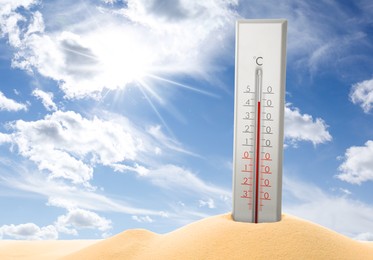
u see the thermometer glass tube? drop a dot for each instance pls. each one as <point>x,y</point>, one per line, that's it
<point>259,120</point>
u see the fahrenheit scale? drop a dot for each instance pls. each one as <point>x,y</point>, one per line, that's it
<point>259,120</point>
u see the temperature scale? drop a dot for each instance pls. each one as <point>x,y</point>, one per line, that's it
<point>259,120</point>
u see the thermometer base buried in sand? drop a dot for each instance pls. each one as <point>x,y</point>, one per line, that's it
<point>259,120</point>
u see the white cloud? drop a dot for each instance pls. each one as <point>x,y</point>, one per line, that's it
<point>77,219</point>
<point>143,219</point>
<point>183,181</point>
<point>340,213</point>
<point>172,144</point>
<point>302,127</point>
<point>193,35</point>
<point>4,138</point>
<point>109,1</point>
<point>362,94</point>
<point>28,231</point>
<point>9,5</point>
<point>140,170</point>
<point>59,164</point>
<point>9,19</point>
<point>210,203</point>
<point>366,236</point>
<point>67,196</point>
<point>357,166</point>
<point>346,192</point>
<point>155,145</point>
<point>93,54</point>
<point>67,145</point>
<point>46,98</point>
<point>10,105</point>
<point>177,178</point>
<point>61,202</point>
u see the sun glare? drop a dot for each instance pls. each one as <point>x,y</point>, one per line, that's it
<point>124,57</point>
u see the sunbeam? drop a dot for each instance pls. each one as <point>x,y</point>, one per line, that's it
<point>156,111</point>
<point>151,91</point>
<point>183,85</point>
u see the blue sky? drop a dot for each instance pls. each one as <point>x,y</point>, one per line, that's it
<point>119,114</point>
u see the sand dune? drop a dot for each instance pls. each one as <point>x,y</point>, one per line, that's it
<point>40,250</point>
<point>220,237</point>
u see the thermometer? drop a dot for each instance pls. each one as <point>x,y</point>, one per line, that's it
<point>259,120</point>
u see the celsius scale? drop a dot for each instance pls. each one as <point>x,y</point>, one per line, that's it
<point>259,120</point>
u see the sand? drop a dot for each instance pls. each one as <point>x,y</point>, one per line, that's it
<point>217,237</point>
<point>41,250</point>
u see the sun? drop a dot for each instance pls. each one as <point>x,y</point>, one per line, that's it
<point>128,57</point>
<point>124,56</point>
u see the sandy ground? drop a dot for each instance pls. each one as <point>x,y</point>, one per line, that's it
<point>217,237</point>
<point>43,250</point>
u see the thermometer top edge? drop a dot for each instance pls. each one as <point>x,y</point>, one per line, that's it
<point>281,21</point>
